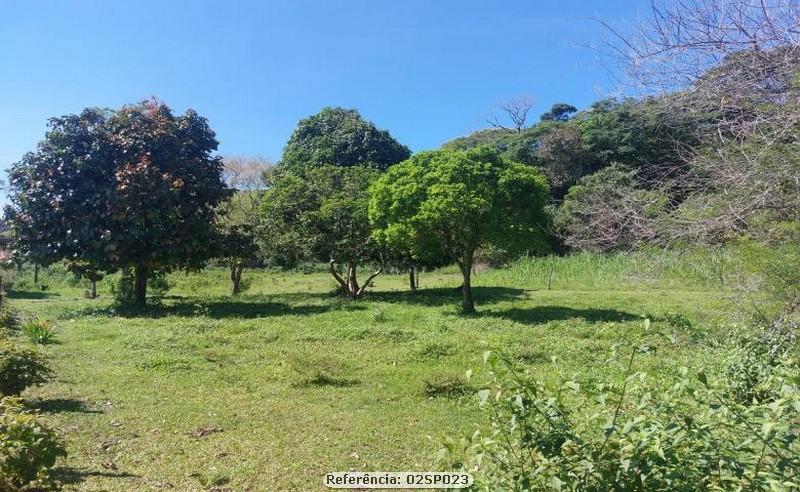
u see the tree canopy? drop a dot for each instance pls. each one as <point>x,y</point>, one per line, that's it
<point>457,201</point>
<point>340,137</point>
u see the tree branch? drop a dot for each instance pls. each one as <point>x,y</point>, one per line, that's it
<point>369,279</point>
<point>336,274</point>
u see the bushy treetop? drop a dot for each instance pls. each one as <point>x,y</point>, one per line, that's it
<point>342,138</point>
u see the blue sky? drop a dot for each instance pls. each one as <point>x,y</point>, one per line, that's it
<point>425,70</point>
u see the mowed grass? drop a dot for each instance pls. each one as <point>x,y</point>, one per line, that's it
<point>272,389</point>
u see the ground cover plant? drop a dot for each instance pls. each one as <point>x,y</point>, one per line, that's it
<point>269,388</point>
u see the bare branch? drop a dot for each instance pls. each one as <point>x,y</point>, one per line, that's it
<point>516,110</point>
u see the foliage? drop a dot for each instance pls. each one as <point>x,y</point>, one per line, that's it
<point>235,218</point>
<point>80,194</point>
<point>28,449</point>
<point>324,215</point>
<point>634,436</point>
<point>20,368</point>
<point>456,202</point>
<point>562,158</point>
<point>122,285</point>
<point>340,137</point>
<point>608,210</point>
<point>38,331</point>
<point>559,112</point>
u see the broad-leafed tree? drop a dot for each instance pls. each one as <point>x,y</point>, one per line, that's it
<point>134,189</point>
<point>458,201</point>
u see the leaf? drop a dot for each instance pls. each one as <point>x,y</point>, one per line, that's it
<point>701,376</point>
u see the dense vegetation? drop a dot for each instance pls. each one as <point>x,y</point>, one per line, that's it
<point>615,237</point>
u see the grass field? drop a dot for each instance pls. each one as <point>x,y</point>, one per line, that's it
<point>274,388</point>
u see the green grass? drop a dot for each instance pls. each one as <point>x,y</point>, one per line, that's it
<point>271,390</point>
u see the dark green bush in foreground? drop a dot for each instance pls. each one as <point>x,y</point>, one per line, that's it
<point>638,437</point>
<point>28,449</point>
<point>19,368</point>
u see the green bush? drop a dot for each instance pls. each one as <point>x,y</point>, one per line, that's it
<point>39,331</point>
<point>19,368</point>
<point>748,375</point>
<point>122,286</point>
<point>28,449</point>
<point>631,436</point>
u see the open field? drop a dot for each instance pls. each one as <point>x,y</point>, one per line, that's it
<point>271,389</point>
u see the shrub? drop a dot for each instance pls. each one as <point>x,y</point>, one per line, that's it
<point>122,286</point>
<point>28,449</point>
<point>748,375</point>
<point>20,368</point>
<point>39,331</point>
<point>631,436</point>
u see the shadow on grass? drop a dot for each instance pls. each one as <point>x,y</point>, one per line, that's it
<point>544,314</point>
<point>30,294</point>
<point>249,308</point>
<point>447,295</point>
<point>73,476</point>
<point>59,405</point>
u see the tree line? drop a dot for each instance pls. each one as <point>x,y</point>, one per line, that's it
<point>142,191</point>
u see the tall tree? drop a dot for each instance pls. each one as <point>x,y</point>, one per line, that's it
<point>325,215</point>
<point>457,201</point>
<point>248,178</point>
<point>340,137</point>
<point>135,188</point>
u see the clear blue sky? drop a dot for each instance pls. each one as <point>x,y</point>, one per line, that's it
<point>424,69</point>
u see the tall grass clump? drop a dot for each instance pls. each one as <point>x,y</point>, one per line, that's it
<point>700,268</point>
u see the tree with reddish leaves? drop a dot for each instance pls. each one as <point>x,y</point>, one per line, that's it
<point>133,189</point>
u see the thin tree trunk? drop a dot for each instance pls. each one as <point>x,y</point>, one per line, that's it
<point>468,304</point>
<point>35,273</point>
<point>94,289</point>
<point>236,277</point>
<point>352,281</point>
<point>412,283</point>
<point>140,285</point>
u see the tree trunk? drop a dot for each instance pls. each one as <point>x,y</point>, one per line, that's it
<point>94,289</point>
<point>412,282</point>
<point>35,273</point>
<point>236,277</point>
<point>468,304</point>
<point>140,285</point>
<point>352,281</point>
